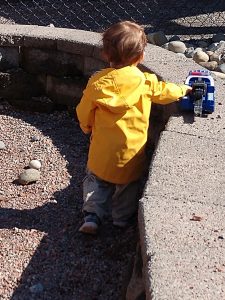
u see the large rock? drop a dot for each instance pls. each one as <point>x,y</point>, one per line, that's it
<point>210,65</point>
<point>221,48</point>
<point>218,48</point>
<point>177,46</point>
<point>29,176</point>
<point>200,56</point>
<point>215,57</point>
<point>213,47</point>
<point>157,38</point>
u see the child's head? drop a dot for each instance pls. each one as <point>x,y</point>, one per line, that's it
<point>124,43</point>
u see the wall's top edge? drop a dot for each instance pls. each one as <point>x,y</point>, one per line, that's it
<point>14,35</point>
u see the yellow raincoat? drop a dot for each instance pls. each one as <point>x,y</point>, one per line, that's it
<point>115,109</point>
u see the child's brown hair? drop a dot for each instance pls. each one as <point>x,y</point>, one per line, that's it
<point>124,43</point>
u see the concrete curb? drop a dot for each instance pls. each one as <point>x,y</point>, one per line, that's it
<point>182,258</point>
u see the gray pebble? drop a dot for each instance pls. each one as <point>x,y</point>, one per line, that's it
<point>34,138</point>
<point>2,145</point>
<point>35,164</point>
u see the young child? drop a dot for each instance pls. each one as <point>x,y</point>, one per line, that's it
<point>115,110</point>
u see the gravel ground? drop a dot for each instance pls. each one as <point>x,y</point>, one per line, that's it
<point>42,254</point>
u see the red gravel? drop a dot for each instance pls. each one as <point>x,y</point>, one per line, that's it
<point>42,254</point>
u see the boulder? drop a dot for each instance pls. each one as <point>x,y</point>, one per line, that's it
<point>215,57</point>
<point>157,38</point>
<point>29,176</point>
<point>177,46</point>
<point>210,65</point>
<point>200,56</point>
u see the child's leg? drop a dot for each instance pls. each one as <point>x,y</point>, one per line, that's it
<point>97,195</point>
<point>125,203</point>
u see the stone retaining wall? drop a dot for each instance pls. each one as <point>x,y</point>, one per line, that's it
<point>43,69</point>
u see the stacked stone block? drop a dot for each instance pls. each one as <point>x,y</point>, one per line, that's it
<point>43,69</point>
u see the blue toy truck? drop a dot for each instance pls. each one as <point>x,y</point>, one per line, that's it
<point>201,100</point>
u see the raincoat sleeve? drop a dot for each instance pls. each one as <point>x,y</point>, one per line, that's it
<point>164,92</point>
<point>86,109</point>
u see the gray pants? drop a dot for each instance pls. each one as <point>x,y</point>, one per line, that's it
<point>104,198</point>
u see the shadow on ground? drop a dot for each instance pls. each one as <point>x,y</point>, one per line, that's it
<point>67,264</point>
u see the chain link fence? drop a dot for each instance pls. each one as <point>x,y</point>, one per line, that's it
<point>188,19</point>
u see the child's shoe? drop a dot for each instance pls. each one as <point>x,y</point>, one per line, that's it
<point>91,224</point>
<point>89,228</point>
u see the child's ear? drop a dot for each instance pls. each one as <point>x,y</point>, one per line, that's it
<point>140,59</point>
<point>142,56</point>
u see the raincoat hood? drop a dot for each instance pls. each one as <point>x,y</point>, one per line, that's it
<point>117,90</point>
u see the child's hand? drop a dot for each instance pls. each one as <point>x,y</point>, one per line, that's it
<point>188,89</point>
